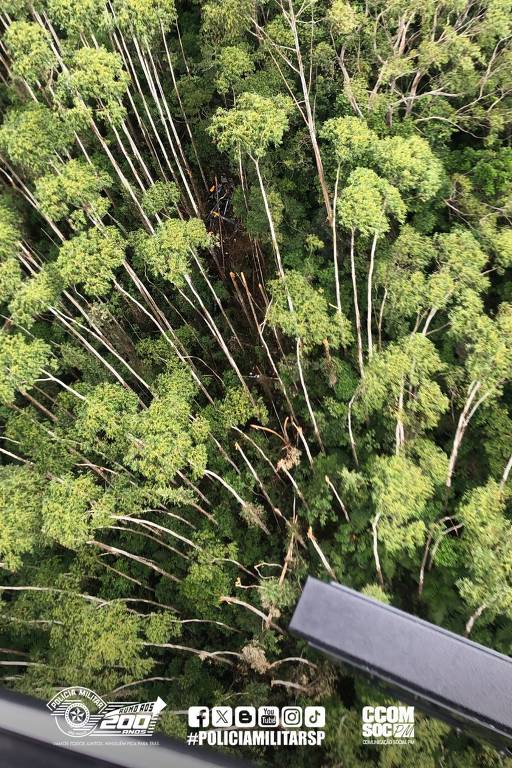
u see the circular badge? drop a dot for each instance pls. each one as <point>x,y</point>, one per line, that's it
<point>77,715</point>
<point>77,711</point>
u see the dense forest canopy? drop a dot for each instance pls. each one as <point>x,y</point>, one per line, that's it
<point>256,324</point>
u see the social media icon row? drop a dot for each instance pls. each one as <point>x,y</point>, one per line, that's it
<point>248,717</point>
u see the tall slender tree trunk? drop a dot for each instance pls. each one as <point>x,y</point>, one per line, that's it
<point>356,304</point>
<point>369,297</point>
<point>292,21</point>
<point>335,244</point>
<point>465,417</point>
<point>476,615</point>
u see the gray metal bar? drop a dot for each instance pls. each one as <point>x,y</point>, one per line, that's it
<point>448,676</point>
<point>28,735</point>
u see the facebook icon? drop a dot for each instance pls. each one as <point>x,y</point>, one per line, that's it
<point>198,717</point>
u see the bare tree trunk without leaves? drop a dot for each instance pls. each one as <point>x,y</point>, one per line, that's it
<point>506,473</point>
<point>356,305</point>
<point>376,557</point>
<point>335,244</point>
<point>292,21</point>
<point>369,298</point>
<point>467,413</point>
<point>474,616</point>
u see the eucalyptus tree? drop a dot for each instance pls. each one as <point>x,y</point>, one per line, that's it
<point>252,127</point>
<point>488,365</point>
<point>486,588</point>
<point>363,207</point>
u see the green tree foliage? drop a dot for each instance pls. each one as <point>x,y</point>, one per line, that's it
<point>366,201</point>
<point>31,135</point>
<point>256,124</point>
<point>310,318</point>
<point>9,231</point>
<point>487,538</point>
<point>78,185</point>
<point>400,493</point>
<point>144,19</point>
<point>34,296</point>
<point>96,76</point>
<point>164,439</point>
<point>227,20</point>
<point>29,46</point>
<point>20,529</point>
<point>105,642</point>
<point>103,419</point>
<point>66,510</point>
<point>21,362</point>
<point>161,197</point>
<point>91,258</point>
<point>233,65</point>
<point>411,165</point>
<point>353,141</point>
<point>394,374</point>
<point>75,19</point>
<point>208,575</point>
<point>255,265</point>
<point>168,253</point>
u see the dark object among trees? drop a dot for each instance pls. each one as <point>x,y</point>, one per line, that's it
<point>28,739</point>
<point>444,674</point>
